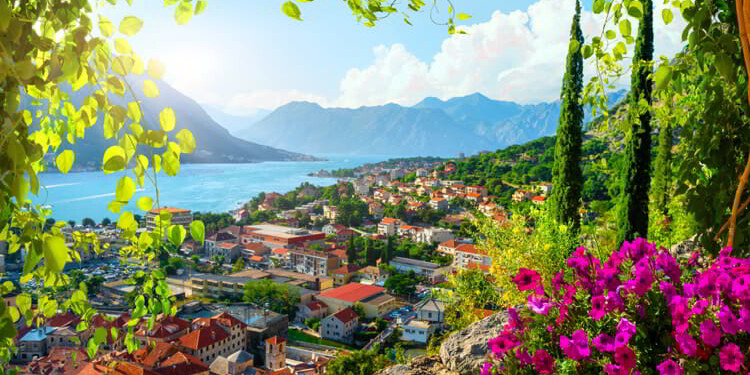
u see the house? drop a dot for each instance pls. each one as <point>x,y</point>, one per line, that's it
<point>438,203</point>
<point>57,361</point>
<point>408,231</point>
<point>230,251</point>
<point>361,187</point>
<point>344,274</point>
<point>418,331</point>
<point>330,212</point>
<point>206,343</point>
<point>33,344</point>
<point>421,172</point>
<point>376,209</point>
<point>281,255</point>
<point>431,311</point>
<point>481,190</point>
<point>468,253</point>
<point>239,215</point>
<point>389,226</point>
<point>433,235</point>
<point>448,247</point>
<point>538,200</point>
<point>213,241</point>
<point>332,229</point>
<point>236,363</point>
<point>488,208</point>
<point>165,329</point>
<point>274,236</point>
<point>312,310</point>
<point>429,270</point>
<point>345,235</point>
<point>424,190</point>
<point>545,188</point>
<point>381,195</point>
<point>372,274</point>
<point>182,364</point>
<point>340,326</point>
<point>522,195</point>
<point>375,301</point>
<point>314,263</point>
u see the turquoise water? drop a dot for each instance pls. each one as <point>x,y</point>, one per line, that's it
<point>198,187</point>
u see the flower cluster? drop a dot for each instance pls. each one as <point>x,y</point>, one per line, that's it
<point>639,311</point>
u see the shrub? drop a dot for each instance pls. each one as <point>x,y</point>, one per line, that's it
<point>533,241</point>
<point>640,312</point>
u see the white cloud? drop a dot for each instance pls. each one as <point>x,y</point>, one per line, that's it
<point>518,56</point>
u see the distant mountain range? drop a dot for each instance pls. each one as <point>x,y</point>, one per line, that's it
<point>431,127</point>
<point>214,143</point>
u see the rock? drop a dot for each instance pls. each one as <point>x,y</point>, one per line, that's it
<point>422,365</point>
<point>684,249</point>
<point>465,350</point>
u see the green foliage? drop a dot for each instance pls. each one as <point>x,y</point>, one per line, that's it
<point>359,309</point>
<point>358,362</point>
<point>279,298</point>
<point>239,265</point>
<point>567,175</point>
<point>313,323</point>
<point>404,284</point>
<point>633,210</point>
<point>351,212</point>
<point>661,188</point>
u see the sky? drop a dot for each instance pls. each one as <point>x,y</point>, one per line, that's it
<point>243,55</point>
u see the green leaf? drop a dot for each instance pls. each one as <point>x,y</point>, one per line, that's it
<point>50,308</point>
<point>91,348</point>
<point>587,51</point>
<point>291,10</point>
<point>134,111</point>
<point>14,315</point>
<point>635,9</point>
<point>171,163</point>
<point>127,222</point>
<point>122,46</point>
<point>114,159</point>
<point>176,234</point>
<point>55,253</point>
<point>167,119</point>
<point>598,6</point>
<point>610,34</point>
<point>463,16</point>
<point>23,301</point>
<point>65,161</point>
<point>100,335</point>
<point>625,28</point>
<point>125,189</point>
<point>187,141</point>
<point>666,15</point>
<point>183,13</point>
<point>197,231</point>
<point>662,76</point>
<point>200,6</point>
<point>130,25</point>
<point>573,47</point>
<point>145,203</point>
<point>105,26</point>
<point>725,66</point>
<point>155,68</point>
<point>150,89</point>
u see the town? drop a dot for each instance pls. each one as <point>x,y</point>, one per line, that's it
<point>284,284</point>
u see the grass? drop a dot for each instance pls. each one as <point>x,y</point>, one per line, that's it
<point>297,335</point>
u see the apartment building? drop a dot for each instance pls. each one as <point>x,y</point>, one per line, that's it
<point>314,263</point>
<point>179,217</point>
<point>466,254</point>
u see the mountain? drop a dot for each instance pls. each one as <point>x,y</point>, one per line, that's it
<point>214,143</point>
<point>235,123</point>
<point>383,130</point>
<point>431,127</point>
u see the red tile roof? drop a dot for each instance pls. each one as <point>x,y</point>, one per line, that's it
<point>63,320</point>
<point>280,251</point>
<point>477,266</point>
<point>339,254</point>
<point>352,292</point>
<point>169,209</point>
<point>255,246</point>
<point>389,220</point>
<point>347,269</point>
<point>275,340</point>
<point>227,245</point>
<point>203,337</point>
<point>346,315</point>
<point>469,248</point>
<point>165,327</point>
<point>316,305</point>
<point>153,355</point>
<point>182,364</point>
<point>450,243</point>
<point>120,368</point>
<point>539,198</point>
<point>59,360</point>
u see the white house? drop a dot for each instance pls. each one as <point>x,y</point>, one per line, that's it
<point>418,331</point>
<point>438,203</point>
<point>340,326</point>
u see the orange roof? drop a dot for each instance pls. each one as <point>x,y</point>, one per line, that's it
<point>438,199</point>
<point>346,315</point>
<point>165,327</point>
<point>120,368</point>
<point>153,355</point>
<point>352,292</point>
<point>275,340</point>
<point>469,248</point>
<point>539,198</point>
<point>316,305</point>
<point>477,266</point>
<point>63,320</point>
<point>347,269</point>
<point>169,209</point>
<point>389,220</point>
<point>255,246</point>
<point>225,319</point>
<point>449,243</point>
<point>339,254</point>
<point>256,258</point>
<point>59,360</point>
<point>227,245</point>
<point>203,337</point>
<point>280,251</point>
<point>473,195</point>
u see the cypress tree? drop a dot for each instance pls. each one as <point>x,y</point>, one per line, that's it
<point>663,169</point>
<point>351,252</point>
<point>568,177</point>
<point>633,215</point>
<point>385,256</point>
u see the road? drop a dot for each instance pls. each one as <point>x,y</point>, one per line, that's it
<point>382,336</point>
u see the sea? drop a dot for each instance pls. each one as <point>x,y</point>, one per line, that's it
<point>198,187</point>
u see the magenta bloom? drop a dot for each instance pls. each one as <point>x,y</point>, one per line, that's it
<point>523,357</point>
<point>487,369</point>
<point>604,343</point>
<point>731,358</point>
<point>577,347</point>
<point>625,330</point>
<point>741,287</point>
<point>710,333</point>
<point>613,369</point>
<point>687,344</point>
<point>501,344</point>
<point>729,322</point>
<point>669,367</point>
<point>538,304</point>
<point>527,279</point>
<point>543,362</point>
<point>669,265</point>
<point>598,305</point>
<point>625,357</point>
<point>642,282</point>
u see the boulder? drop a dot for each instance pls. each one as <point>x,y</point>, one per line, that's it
<point>422,365</point>
<point>685,249</point>
<point>464,351</point>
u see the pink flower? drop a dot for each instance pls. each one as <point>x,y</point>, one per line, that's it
<point>523,356</point>
<point>576,348</point>
<point>487,368</point>
<point>729,322</point>
<point>710,333</point>
<point>527,279</point>
<point>687,345</point>
<point>731,358</point>
<point>612,369</point>
<point>604,343</point>
<point>669,367</point>
<point>501,344</point>
<point>598,305</point>
<point>741,287</point>
<point>543,362</point>
<point>625,357</point>
<point>625,330</point>
<point>538,304</point>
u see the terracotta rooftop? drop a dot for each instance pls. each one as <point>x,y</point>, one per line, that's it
<point>120,368</point>
<point>346,315</point>
<point>63,320</point>
<point>275,340</point>
<point>203,337</point>
<point>227,245</point>
<point>352,292</point>
<point>389,220</point>
<point>154,354</point>
<point>169,209</point>
<point>347,269</point>
<point>469,248</point>
<point>182,364</point>
<point>256,258</point>
<point>165,327</point>
<point>316,305</point>
<point>450,243</point>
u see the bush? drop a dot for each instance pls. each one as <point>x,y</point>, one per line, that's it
<point>638,312</point>
<point>532,241</point>
<point>313,323</point>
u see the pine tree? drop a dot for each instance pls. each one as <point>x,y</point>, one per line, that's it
<point>663,169</point>
<point>633,214</point>
<point>568,177</point>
